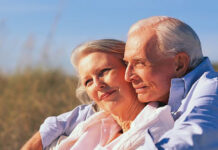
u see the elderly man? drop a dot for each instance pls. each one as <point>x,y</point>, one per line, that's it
<point>164,63</point>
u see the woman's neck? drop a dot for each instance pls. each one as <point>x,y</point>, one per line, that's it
<point>125,118</point>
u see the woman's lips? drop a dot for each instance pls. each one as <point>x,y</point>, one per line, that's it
<point>105,95</point>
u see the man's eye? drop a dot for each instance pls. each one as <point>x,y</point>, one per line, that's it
<point>139,63</point>
<point>103,71</point>
<point>88,82</point>
<point>126,63</point>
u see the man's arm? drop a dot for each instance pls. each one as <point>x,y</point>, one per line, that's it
<point>63,124</point>
<point>197,127</point>
<point>55,126</point>
<point>34,143</point>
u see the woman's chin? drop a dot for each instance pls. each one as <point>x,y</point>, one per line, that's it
<point>111,108</point>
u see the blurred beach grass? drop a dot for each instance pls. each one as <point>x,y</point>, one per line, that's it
<point>27,98</point>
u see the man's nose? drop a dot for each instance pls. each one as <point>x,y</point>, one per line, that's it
<point>128,73</point>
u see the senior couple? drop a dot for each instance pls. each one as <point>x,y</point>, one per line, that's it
<point>161,93</point>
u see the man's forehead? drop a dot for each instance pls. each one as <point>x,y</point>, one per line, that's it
<point>133,54</point>
<point>139,44</point>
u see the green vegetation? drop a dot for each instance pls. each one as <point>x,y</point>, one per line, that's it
<point>27,98</point>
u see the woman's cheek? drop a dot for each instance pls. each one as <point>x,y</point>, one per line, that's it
<point>117,75</point>
<point>110,77</point>
<point>91,93</point>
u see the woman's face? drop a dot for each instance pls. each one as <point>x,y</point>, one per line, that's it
<point>102,74</point>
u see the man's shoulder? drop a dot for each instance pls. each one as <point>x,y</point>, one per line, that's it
<point>210,75</point>
<point>208,79</point>
<point>205,89</point>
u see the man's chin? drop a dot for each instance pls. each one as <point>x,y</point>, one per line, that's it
<point>143,98</point>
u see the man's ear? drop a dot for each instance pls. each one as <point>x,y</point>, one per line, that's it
<point>182,64</point>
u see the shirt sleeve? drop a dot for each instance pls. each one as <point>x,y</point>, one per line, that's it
<point>197,127</point>
<point>63,124</point>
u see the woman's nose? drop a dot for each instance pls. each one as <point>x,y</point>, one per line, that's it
<point>99,83</point>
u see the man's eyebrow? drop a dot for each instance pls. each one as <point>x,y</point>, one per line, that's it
<point>135,58</point>
<point>139,59</point>
<point>83,78</point>
<point>123,59</point>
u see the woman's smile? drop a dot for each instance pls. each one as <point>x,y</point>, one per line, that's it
<point>104,96</point>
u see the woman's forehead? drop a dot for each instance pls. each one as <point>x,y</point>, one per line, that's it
<point>96,61</point>
<point>99,57</point>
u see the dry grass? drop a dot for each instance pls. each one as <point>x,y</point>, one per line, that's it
<point>27,98</point>
<point>215,66</point>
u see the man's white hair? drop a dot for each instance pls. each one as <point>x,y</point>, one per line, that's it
<point>173,36</point>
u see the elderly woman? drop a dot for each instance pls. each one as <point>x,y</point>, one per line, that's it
<point>122,119</point>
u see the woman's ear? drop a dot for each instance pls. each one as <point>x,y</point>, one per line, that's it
<point>182,64</point>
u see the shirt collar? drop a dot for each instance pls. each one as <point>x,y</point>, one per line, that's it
<point>181,86</point>
<point>195,74</point>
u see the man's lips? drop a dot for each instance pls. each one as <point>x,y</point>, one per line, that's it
<point>140,89</point>
<point>105,95</point>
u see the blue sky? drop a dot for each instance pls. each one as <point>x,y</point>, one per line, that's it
<point>32,32</point>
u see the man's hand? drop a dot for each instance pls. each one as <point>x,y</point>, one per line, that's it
<point>34,143</point>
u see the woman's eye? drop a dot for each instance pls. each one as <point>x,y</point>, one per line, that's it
<point>88,82</point>
<point>102,72</point>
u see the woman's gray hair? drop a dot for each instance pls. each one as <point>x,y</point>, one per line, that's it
<point>173,36</point>
<point>104,45</point>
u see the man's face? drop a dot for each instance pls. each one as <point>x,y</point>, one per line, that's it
<point>149,71</point>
